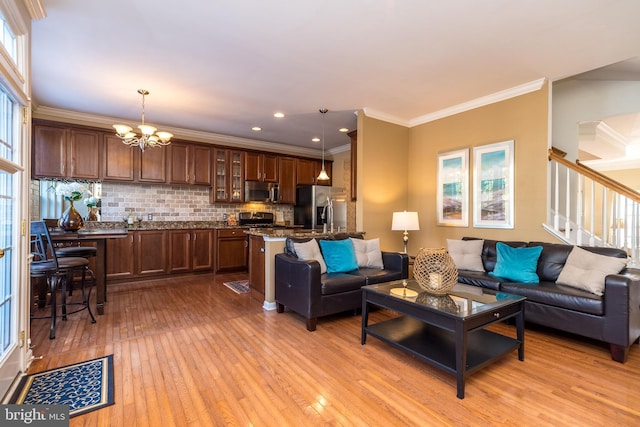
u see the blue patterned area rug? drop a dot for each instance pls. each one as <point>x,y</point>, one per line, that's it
<point>84,386</point>
<point>239,286</point>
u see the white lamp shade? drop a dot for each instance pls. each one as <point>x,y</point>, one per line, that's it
<point>405,221</point>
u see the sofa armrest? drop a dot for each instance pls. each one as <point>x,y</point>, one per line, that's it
<point>396,261</point>
<point>297,284</point>
<point>622,307</point>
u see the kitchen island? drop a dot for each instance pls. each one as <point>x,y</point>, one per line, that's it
<point>264,244</point>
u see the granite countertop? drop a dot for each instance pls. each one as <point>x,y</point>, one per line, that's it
<point>158,225</point>
<point>284,232</point>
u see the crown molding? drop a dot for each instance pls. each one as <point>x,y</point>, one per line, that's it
<point>460,108</point>
<point>75,117</point>
<point>603,165</point>
<point>480,102</point>
<point>381,115</point>
<point>340,149</point>
<point>35,9</point>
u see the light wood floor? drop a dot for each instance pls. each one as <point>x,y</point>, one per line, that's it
<point>189,351</point>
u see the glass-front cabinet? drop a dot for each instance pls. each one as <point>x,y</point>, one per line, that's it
<point>236,162</point>
<point>229,176</point>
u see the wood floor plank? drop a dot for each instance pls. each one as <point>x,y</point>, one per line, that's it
<point>189,351</point>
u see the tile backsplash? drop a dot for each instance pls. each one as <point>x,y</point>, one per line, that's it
<point>169,203</point>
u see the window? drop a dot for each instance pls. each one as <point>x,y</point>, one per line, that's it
<point>8,40</point>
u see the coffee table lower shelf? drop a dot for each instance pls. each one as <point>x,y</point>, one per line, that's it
<point>437,346</point>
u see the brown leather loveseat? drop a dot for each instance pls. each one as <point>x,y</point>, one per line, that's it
<point>300,287</point>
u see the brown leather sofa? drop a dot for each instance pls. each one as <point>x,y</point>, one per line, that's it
<point>613,318</point>
<point>301,288</point>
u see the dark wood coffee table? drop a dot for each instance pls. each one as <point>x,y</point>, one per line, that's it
<point>446,331</point>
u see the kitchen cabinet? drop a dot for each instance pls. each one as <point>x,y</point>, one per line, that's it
<point>121,162</point>
<point>120,261</point>
<point>354,164</point>
<point>231,250</point>
<point>189,164</point>
<point>151,252</point>
<point>308,170</point>
<point>257,267</point>
<point>261,167</point>
<point>190,251</point>
<point>142,253</point>
<point>228,176</point>
<point>117,160</point>
<point>152,165</point>
<point>66,152</point>
<point>287,180</point>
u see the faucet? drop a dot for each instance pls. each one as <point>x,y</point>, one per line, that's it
<point>328,208</point>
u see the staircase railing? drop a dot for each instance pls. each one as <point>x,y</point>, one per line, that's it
<point>589,208</point>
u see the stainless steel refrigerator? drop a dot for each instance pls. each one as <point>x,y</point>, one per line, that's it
<point>317,205</point>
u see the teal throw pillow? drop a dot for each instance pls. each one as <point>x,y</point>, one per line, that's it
<point>517,264</point>
<point>339,255</point>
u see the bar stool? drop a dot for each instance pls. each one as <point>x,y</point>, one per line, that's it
<point>73,251</point>
<point>57,272</point>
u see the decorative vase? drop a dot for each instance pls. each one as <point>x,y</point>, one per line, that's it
<point>93,214</point>
<point>435,271</point>
<point>71,220</point>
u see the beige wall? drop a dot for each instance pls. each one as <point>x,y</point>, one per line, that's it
<point>382,178</point>
<point>400,170</point>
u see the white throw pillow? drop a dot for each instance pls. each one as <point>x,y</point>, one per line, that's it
<point>586,270</point>
<point>310,250</point>
<point>368,253</point>
<point>466,254</point>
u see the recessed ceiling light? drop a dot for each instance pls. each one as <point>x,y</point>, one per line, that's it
<point>256,128</point>
<point>279,115</point>
<point>344,130</point>
<point>315,139</point>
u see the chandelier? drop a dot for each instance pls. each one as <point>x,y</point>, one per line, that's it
<point>323,176</point>
<point>149,137</point>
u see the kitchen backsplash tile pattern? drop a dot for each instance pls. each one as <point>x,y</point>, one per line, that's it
<point>166,203</point>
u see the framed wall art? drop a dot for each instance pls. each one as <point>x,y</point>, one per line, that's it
<point>493,182</point>
<point>453,188</point>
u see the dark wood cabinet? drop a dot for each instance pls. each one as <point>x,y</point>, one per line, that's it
<point>228,176</point>
<point>120,262</point>
<point>117,160</point>
<point>142,253</point>
<point>256,267</point>
<point>190,250</point>
<point>231,250</point>
<point>261,167</point>
<point>354,164</point>
<point>152,165</point>
<point>64,152</point>
<point>308,170</point>
<point>287,180</point>
<point>151,252</point>
<point>189,164</point>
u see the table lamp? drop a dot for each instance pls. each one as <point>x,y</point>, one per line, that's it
<point>405,221</point>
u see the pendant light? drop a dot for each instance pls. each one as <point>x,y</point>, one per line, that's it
<point>148,138</point>
<point>323,176</point>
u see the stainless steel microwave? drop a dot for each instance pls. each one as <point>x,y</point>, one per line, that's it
<point>265,192</point>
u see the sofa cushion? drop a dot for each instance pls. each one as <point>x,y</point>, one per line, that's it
<point>517,264</point>
<point>335,283</point>
<point>466,254</point>
<point>310,251</point>
<point>289,243</point>
<point>377,275</point>
<point>479,278</point>
<point>490,253</point>
<point>587,270</point>
<point>551,260</point>
<point>339,255</point>
<point>368,253</point>
<point>552,294</point>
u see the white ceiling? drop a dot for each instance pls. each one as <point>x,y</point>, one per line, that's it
<point>225,66</point>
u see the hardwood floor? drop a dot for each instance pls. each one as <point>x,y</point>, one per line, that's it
<point>189,351</point>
